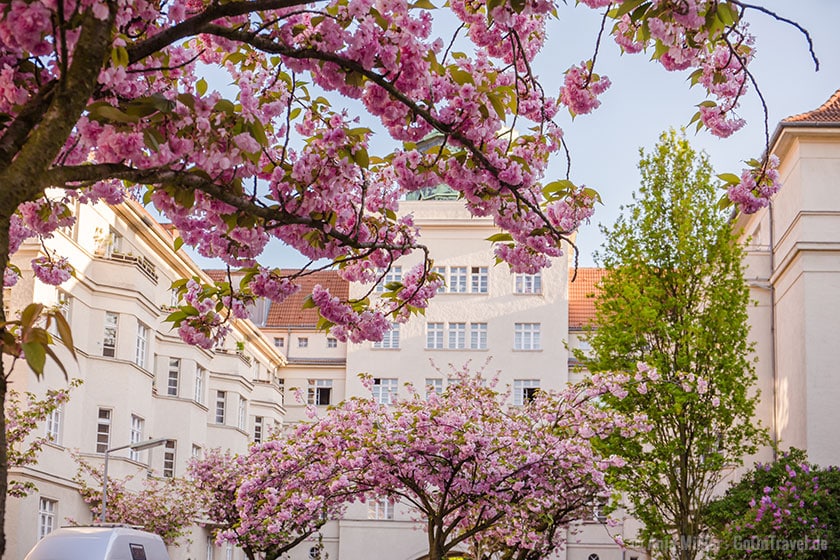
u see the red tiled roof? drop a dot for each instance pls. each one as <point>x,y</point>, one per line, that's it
<point>291,312</point>
<point>582,294</point>
<point>828,112</point>
<point>216,274</point>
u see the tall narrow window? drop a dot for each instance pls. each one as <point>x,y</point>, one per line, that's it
<point>198,395</point>
<point>109,341</point>
<point>221,396</point>
<point>457,336</point>
<point>53,425</point>
<point>320,392</point>
<point>391,339</point>
<point>526,336</point>
<point>442,271</point>
<point>103,430</point>
<point>62,305</point>
<point>478,279</point>
<point>46,516</point>
<point>478,336</point>
<point>258,429</point>
<point>195,451</point>
<point>434,385</point>
<point>141,348</point>
<point>434,336</point>
<point>384,390</point>
<point>173,377</point>
<point>380,509</point>
<point>393,275</point>
<point>524,390</point>
<point>242,416</point>
<point>169,459</point>
<point>135,435</point>
<point>458,279</point>
<point>528,283</point>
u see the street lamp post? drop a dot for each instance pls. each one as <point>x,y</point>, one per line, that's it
<point>139,446</point>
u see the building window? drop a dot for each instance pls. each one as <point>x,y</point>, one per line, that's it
<point>199,385</point>
<point>380,509</point>
<point>478,336</point>
<point>458,279</point>
<point>526,336</point>
<point>332,342</point>
<point>384,390</point>
<point>303,342</point>
<point>243,416</point>
<point>434,336</point>
<point>195,452</point>
<point>211,547</point>
<point>142,345</point>
<point>220,407</point>
<point>135,435</point>
<point>434,385</point>
<point>278,342</point>
<point>528,283</point>
<point>393,275</point>
<point>46,516</point>
<point>169,459</point>
<point>524,390</point>
<point>63,307</point>
<point>53,426</point>
<point>258,429</point>
<point>109,341</point>
<point>229,552</point>
<point>391,338</point>
<point>478,279</point>
<point>441,270</point>
<point>319,392</point>
<point>173,376</point>
<point>457,336</point>
<point>103,430</point>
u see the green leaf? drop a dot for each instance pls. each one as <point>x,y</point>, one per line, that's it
<point>107,112</point>
<point>461,76</point>
<point>308,303</point>
<point>499,237</point>
<point>178,243</point>
<point>65,333</point>
<point>730,178</point>
<point>727,14</point>
<point>498,105</point>
<point>424,5</point>
<point>30,314</point>
<point>36,356</point>
<point>361,157</point>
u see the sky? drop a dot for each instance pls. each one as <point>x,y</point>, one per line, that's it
<point>645,100</point>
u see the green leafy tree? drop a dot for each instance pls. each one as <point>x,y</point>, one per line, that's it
<point>786,509</point>
<point>674,298</point>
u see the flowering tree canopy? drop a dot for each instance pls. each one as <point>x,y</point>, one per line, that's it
<point>101,96</point>
<point>477,474</point>
<point>786,509</point>
<point>164,506</point>
<point>273,498</point>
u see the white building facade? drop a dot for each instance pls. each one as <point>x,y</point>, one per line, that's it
<point>140,381</point>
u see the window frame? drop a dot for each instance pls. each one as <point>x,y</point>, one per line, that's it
<point>220,408</point>
<point>173,383</point>
<point>390,339</point>
<point>478,336</point>
<point>110,333</point>
<point>135,435</point>
<point>527,336</point>
<point>435,335</point>
<point>524,390</point>
<point>102,447</point>
<point>317,390</point>
<point>141,346</point>
<point>388,389</point>
<point>47,516</point>
<point>479,280</point>
<point>170,449</point>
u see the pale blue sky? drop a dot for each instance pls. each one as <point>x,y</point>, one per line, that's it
<point>645,100</point>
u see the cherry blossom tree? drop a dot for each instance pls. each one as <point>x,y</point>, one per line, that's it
<point>24,413</point>
<point>274,497</point>
<point>164,506</point>
<point>100,98</point>
<point>476,473</point>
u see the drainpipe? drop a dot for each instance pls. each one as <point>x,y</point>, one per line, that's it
<point>773,341</point>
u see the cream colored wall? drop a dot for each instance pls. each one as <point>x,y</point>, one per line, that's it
<point>117,383</point>
<point>802,275</point>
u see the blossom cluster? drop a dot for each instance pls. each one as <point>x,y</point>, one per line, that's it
<point>273,160</point>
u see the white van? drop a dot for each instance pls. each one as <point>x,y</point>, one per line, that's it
<point>99,543</point>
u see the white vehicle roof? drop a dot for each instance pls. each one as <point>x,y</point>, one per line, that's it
<point>99,543</point>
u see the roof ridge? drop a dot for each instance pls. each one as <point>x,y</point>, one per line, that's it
<point>828,112</point>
